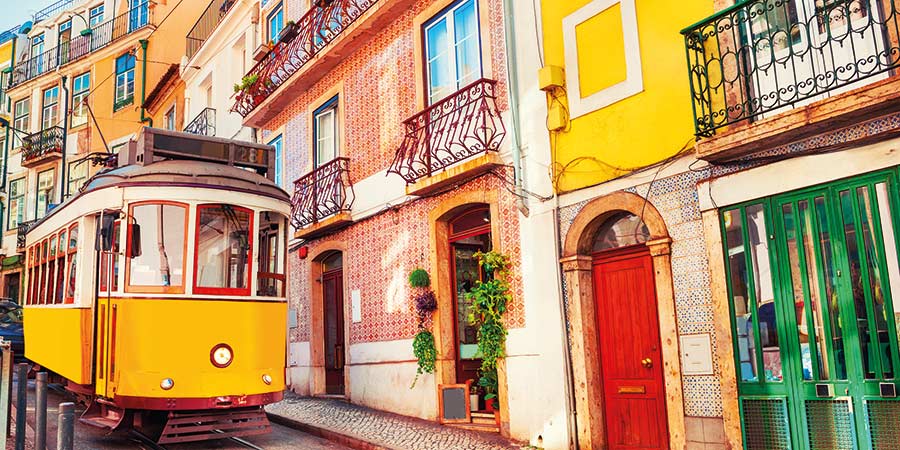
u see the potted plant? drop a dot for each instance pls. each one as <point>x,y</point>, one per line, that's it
<point>425,304</point>
<point>247,81</point>
<point>488,382</point>
<point>323,3</point>
<point>289,32</point>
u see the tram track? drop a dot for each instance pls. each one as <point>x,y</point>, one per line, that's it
<point>147,443</point>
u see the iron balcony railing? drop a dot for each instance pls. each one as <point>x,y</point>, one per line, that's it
<point>21,232</point>
<point>322,193</point>
<point>83,44</point>
<point>208,22</point>
<point>55,8</point>
<point>323,23</point>
<point>40,144</point>
<point>452,130</point>
<point>757,57</point>
<point>204,123</point>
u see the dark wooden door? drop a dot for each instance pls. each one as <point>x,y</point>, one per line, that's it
<point>12,287</point>
<point>333,295</point>
<point>630,354</point>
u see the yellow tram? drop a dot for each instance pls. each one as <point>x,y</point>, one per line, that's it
<point>158,290</point>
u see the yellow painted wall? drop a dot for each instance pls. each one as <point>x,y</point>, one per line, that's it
<point>159,338</point>
<point>640,130</point>
<point>60,340</point>
<point>5,52</point>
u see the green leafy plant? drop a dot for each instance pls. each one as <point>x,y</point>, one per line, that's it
<point>419,278</point>
<point>246,82</point>
<point>488,302</point>
<point>425,352</point>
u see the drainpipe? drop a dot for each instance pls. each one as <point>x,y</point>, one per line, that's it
<point>144,118</point>
<point>63,173</point>
<point>513,92</point>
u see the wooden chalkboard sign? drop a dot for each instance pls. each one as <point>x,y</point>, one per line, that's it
<point>453,403</point>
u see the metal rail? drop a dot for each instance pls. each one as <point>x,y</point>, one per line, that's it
<point>322,193</point>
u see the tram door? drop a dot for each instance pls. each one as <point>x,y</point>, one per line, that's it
<point>837,253</point>
<point>107,311</point>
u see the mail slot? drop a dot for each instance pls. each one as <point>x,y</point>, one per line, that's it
<point>632,390</point>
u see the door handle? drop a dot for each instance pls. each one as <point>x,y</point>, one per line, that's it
<point>647,362</point>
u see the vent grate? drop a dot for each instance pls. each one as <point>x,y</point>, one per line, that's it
<point>765,424</point>
<point>829,424</point>
<point>883,417</point>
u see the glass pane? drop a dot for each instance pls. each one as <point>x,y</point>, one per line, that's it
<point>223,247</point>
<point>325,137</point>
<point>333,262</point>
<point>740,296</point>
<point>70,289</point>
<point>827,277</point>
<point>470,220</point>
<point>621,230</point>
<point>888,233</point>
<point>162,229</point>
<point>468,55</point>
<point>764,292</point>
<point>438,58</point>
<point>466,273</point>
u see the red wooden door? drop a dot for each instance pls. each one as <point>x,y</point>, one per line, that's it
<point>333,287</point>
<point>630,355</point>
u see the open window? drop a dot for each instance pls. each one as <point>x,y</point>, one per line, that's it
<point>109,261</point>
<point>155,247</point>
<point>271,256</point>
<point>223,250</point>
<point>61,251</point>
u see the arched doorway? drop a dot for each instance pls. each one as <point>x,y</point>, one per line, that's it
<point>628,335</point>
<point>333,321</point>
<point>602,252</point>
<point>469,233</point>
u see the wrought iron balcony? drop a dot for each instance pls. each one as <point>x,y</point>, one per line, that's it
<point>758,57</point>
<point>204,124</point>
<point>321,194</point>
<point>450,131</point>
<point>80,46</point>
<point>42,146</point>
<point>321,25</point>
<point>21,231</point>
<point>207,23</point>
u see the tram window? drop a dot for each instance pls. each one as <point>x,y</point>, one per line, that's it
<point>72,263</point>
<point>223,249</point>
<point>271,279</point>
<point>60,268</point>
<point>109,262</point>
<point>161,229</point>
<point>51,272</point>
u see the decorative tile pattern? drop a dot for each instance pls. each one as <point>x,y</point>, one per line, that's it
<point>383,249</point>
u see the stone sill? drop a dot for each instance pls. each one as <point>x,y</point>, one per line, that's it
<point>326,226</point>
<point>832,113</point>
<point>51,156</point>
<point>368,25</point>
<point>455,175</point>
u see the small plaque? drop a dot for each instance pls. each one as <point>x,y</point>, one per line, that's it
<point>696,354</point>
<point>632,390</point>
<point>355,306</point>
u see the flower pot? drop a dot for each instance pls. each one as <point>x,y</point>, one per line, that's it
<point>473,402</point>
<point>489,404</point>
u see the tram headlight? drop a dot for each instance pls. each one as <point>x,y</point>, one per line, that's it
<point>167,383</point>
<point>267,379</point>
<point>221,355</point>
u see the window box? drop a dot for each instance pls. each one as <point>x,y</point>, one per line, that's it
<point>260,53</point>
<point>289,32</point>
<point>123,103</point>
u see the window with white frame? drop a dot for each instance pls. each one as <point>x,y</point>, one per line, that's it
<point>169,118</point>
<point>45,187</point>
<point>275,23</point>
<point>124,80</point>
<point>278,142</point>
<point>325,132</point>
<point>81,85</point>
<point>78,171</point>
<point>21,113</point>
<point>50,108</point>
<point>16,203</point>
<point>96,16</point>
<point>452,50</point>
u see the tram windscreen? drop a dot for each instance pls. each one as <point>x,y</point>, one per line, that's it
<point>162,229</point>
<point>223,247</point>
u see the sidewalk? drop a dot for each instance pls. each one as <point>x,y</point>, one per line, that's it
<point>363,428</point>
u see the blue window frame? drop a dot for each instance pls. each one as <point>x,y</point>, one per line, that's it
<point>326,128</point>
<point>124,81</point>
<point>96,16</point>
<point>138,14</point>
<point>452,49</point>
<point>275,22</point>
<point>277,142</point>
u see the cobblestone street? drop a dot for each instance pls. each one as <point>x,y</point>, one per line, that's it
<point>380,428</point>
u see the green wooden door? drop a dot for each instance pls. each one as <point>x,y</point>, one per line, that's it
<point>826,379</point>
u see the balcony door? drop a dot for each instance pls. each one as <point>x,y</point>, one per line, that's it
<point>333,309</point>
<point>804,49</point>
<point>452,50</point>
<point>138,14</point>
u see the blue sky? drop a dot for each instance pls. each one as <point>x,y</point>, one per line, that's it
<point>14,12</point>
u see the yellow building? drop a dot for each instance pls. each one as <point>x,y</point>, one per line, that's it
<point>81,74</point>
<point>615,77</point>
